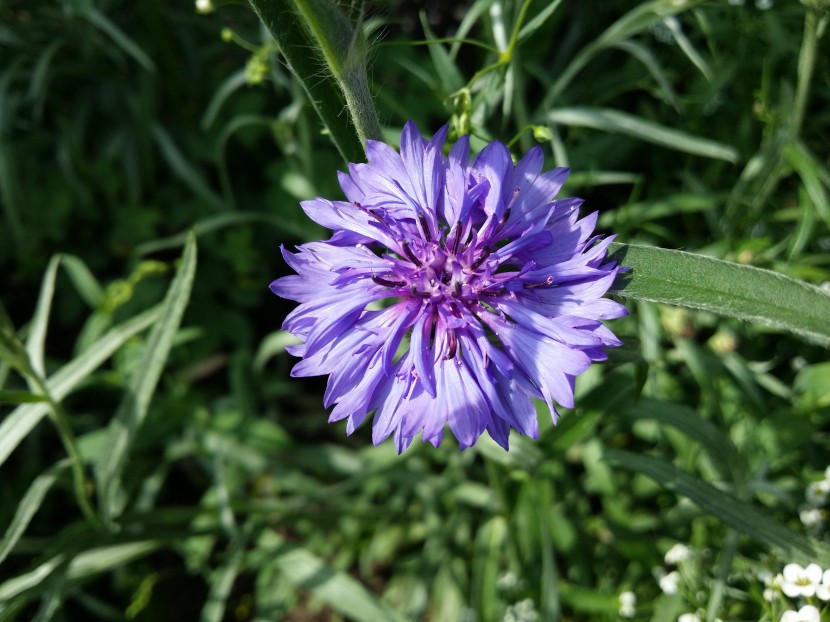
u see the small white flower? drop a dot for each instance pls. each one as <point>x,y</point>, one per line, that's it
<point>823,588</point>
<point>522,611</point>
<point>817,492</point>
<point>771,595</point>
<point>627,602</point>
<point>204,6</point>
<point>676,554</point>
<point>811,518</point>
<point>763,5</point>
<point>689,617</point>
<point>800,581</point>
<point>827,473</point>
<point>808,613</point>
<point>507,581</point>
<point>669,582</point>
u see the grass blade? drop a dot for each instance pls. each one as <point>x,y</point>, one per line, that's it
<point>84,281</point>
<point>184,170</point>
<point>23,419</point>
<point>617,122</point>
<point>345,595</point>
<point>40,321</point>
<point>103,23</point>
<point>734,290</point>
<point>134,407</point>
<point>741,516</point>
<point>29,505</point>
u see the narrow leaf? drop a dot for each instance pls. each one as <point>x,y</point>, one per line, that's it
<point>22,420</point>
<point>345,595</point>
<point>84,281</point>
<point>184,170</point>
<point>734,290</point>
<point>741,516</point>
<point>21,397</point>
<point>134,407</point>
<point>618,122</point>
<point>103,23</point>
<point>536,23</point>
<point>29,505</point>
<point>708,436</point>
<point>37,329</point>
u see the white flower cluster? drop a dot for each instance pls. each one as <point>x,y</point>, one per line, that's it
<point>522,611</point>
<point>676,555</point>
<point>807,613</point>
<point>627,602</point>
<point>797,582</point>
<point>814,513</point>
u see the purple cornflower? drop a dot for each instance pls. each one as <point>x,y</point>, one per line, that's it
<point>451,293</point>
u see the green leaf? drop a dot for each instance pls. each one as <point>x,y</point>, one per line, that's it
<point>29,505</point>
<point>218,222</point>
<point>142,385</point>
<point>232,83</point>
<point>635,22</point>
<point>733,290</point>
<point>618,122</point>
<point>341,592</point>
<point>184,170</point>
<point>326,52</point>
<point>741,516</point>
<point>21,397</point>
<point>37,329</point>
<point>84,565</point>
<point>445,67</point>
<point>708,436</point>
<point>538,20</point>
<point>102,22</point>
<point>84,281</point>
<point>221,584</point>
<point>23,419</point>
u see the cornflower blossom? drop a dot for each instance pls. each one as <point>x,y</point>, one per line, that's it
<point>496,286</point>
<point>798,581</point>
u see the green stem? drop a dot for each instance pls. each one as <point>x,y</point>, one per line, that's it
<point>806,64</point>
<point>349,68</point>
<point>61,421</point>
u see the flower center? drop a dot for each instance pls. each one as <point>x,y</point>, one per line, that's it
<point>441,275</point>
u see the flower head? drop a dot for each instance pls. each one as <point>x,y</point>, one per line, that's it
<point>798,581</point>
<point>807,613</point>
<point>677,553</point>
<point>451,292</point>
<point>669,583</point>
<point>627,604</point>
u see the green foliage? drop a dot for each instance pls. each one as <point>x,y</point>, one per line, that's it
<point>157,460</point>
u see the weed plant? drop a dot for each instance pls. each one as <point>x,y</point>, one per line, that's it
<point>158,461</point>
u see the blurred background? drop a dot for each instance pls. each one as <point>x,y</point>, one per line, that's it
<point>699,125</point>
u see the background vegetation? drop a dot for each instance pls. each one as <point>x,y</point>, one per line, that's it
<point>157,461</point>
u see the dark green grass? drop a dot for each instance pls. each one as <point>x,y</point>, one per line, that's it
<point>124,125</point>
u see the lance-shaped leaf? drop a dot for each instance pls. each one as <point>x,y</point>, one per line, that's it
<point>733,290</point>
<point>133,409</point>
<point>737,514</point>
